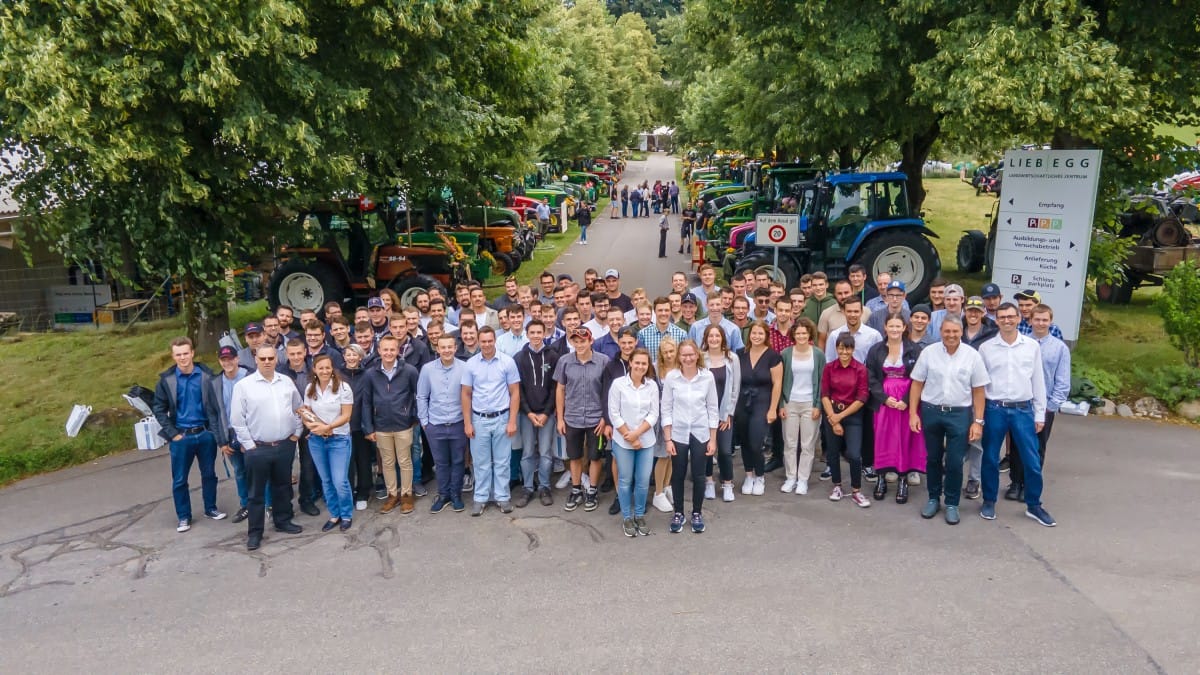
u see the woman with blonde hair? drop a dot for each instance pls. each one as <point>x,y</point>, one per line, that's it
<point>689,422</point>
<point>668,360</point>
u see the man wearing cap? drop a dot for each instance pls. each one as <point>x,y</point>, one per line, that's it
<point>977,327</point>
<point>891,302</point>
<point>190,418</point>
<point>612,287</point>
<point>490,390</point>
<point>232,372</point>
<point>687,311</point>
<point>1016,404</point>
<point>652,336</point>
<point>254,339</point>
<point>991,300</point>
<point>879,301</point>
<point>1026,301</point>
<point>919,331</point>
<point>733,335</point>
<point>953,300</point>
<point>378,317</point>
<point>579,408</point>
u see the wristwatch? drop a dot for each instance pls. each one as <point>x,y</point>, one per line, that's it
<point>979,422</point>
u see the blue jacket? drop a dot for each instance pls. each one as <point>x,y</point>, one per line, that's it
<point>389,405</point>
<point>166,395</point>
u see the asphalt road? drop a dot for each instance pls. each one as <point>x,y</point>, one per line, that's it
<point>93,576</point>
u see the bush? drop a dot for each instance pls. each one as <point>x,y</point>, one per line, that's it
<point>1179,305</point>
<point>1174,384</point>
<point>1107,384</point>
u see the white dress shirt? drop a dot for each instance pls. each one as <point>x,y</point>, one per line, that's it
<point>1015,371</point>
<point>865,338</point>
<point>630,405</point>
<point>949,378</point>
<point>264,410</point>
<point>689,407</point>
<point>327,405</point>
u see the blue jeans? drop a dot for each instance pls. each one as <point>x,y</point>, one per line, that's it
<point>239,473</point>
<point>331,455</point>
<point>946,433</point>
<point>491,454</point>
<point>998,422</point>
<point>537,452</point>
<point>448,445</point>
<point>633,479</point>
<point>192,447</point>
<point>624,208</point>
<point>416,454</point>
<point>583,233</point>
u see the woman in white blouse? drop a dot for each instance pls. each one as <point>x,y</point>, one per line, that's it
<point>689,421</point>
<point>328,402</point>
<point>633,408</point>
<point>724,366</point>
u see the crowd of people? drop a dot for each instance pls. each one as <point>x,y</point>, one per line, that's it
<point>636,392</point>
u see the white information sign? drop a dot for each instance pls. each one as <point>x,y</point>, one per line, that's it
<point>1047,205</point>
<point>777,229</point>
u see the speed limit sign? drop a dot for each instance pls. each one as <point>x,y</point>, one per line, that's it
<point>777,229</point>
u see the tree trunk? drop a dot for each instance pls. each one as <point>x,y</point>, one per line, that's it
<point>206,314</point>
<point>846,158</point>
<point>1064,139</point>
<point>914,150</point>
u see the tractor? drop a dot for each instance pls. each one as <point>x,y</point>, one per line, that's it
<point>352,250</point>
<point>849,218</point>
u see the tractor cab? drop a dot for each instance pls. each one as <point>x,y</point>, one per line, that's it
<point>848,205</point>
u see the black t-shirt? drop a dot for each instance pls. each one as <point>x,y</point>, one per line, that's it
<point>689,215</point>
<point>621,301</point>
<point>756,379</point>
<point>719,373</point>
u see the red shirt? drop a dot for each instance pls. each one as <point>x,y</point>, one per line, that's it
<point>846,384</point>
<point>779,341</point>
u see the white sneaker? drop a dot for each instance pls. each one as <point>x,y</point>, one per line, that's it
<point>662,503</point>
<point>563,481</point>
<point>360,505</point>
<point>788,485</point>
<point>914,478</point>
<point>710,490</point>
<point>835,495</point>
<point>727,492</point>
<point>760,485</point>
<point>801,487</point>
<point>748,485</point>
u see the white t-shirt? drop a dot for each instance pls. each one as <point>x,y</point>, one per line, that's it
<point>327,405</point>
<point>802,374</point>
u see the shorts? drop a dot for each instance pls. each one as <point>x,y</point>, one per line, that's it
<point>580,441</point>
<point>686,230</point>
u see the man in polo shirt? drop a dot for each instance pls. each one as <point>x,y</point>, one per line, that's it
<point>733,335</point>
<point>1016,404</point>
<point>953,298</point>
<point>439,408</point>
<point>1026,301</point>
<point>513,340</point>
<point>893,301</point>
<point>579,407</point>
<point>652,336</point>
<point>946,405</point>
<point>190,418</point>
<point>490,390</point>
<point>263,415</point>
<point>535,365</point>
<point>254,339</point>
<point>612,287</point>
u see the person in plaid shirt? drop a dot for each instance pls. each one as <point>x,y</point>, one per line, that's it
<point>652,336</point>
<point>781,331</point>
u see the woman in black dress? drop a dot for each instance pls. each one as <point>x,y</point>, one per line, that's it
<point>762,381</point>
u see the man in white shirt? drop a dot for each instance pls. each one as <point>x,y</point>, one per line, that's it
<point>263,415</point>
<point>946,404</point>
<point>1016,404</point>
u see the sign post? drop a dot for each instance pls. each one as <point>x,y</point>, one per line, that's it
<point>1044,233</point>
<point>776,230</point>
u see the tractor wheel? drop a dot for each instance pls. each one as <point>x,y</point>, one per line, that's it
<point>408,287</point>
<point>301,284</point>
<point>502,265</point>
<point>1170,232</point>
<point>516,257</point>
<point>907,255</point>
<point>972,251</point>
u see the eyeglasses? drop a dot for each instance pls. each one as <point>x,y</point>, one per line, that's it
<point>266,358</point>
<point>1006,317</point>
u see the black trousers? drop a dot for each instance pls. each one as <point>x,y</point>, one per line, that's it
<point>270,466</point>
<point>662,243</point>
<point>750,431</point>
<point>1016,470</point>
<point>362,452</point>
<point>692,454</point>
<point>850,442</point>
<point>868,436</point>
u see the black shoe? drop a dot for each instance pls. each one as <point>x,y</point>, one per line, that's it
<point>972,490</point>
<point>869,473</point>
<point>608,485</point>
<point>330,524</point>
<point>773,465</point>
<point>1021,493</point>
<point>902,491</point>
<point>523,499</point>
<point>881,488</point>
<point>289,528</point>
<point>573,499</point>
<point>253,543</point>
<point>590,502</point>
<point>242,514</point>
<point>1013,493</point>
<point>345,524</point>
<point>546,497</point>
<point>1004,464</point>
<point>310,509</point>
<point>615,508</point>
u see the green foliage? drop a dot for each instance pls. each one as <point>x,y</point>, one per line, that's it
<point>1174,384</point>
<point>1107,383</point>
<point>1179,306</point>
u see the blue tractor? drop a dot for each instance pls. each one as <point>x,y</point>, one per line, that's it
<point>852,218</point>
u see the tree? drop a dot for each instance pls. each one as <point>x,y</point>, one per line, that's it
<point>173,134</point>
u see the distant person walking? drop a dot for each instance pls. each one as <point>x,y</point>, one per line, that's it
<point>664,226</point>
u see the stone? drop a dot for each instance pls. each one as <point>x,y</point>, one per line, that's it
<point>1106,407</point>
<point>1124,410</point>
<point>1148,406</point>
<point>1188,409</point>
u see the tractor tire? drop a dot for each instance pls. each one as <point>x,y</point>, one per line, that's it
<point>1170,232</point>
<point>907,255</point>
<point>302,284</point>
<point>408,287</point>
<point>972,251</point>
<point>503,265</point>
<point>517,258</point>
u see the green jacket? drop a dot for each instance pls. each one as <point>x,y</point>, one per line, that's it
<point>818,367</point>
<point>813,307</point>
